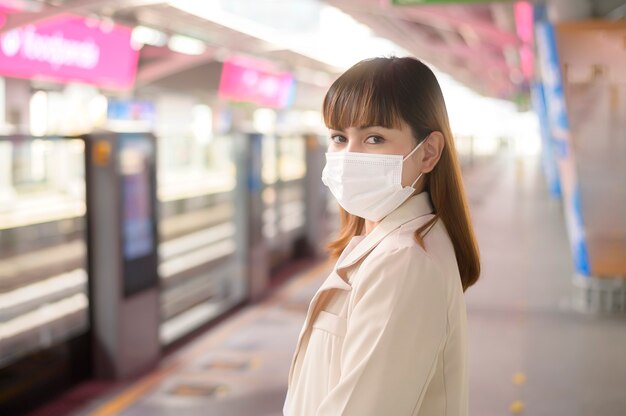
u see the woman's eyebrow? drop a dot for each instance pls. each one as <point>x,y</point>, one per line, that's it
<point>372,126</point>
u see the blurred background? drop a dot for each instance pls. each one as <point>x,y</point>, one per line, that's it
<point>163,221</point>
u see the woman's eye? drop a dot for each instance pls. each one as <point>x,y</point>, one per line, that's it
<point>338,139</point>
<point>374,140</point>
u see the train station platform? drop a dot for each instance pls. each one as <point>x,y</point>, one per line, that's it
<point>530,351</point>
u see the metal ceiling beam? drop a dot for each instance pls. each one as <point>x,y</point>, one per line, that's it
<point>23,18</point>
<point>438,16</point>
<point>170,65</point>
<point>402,33</point>
<point>449,16</point>
<point>18,19</point>
<point>405,34</point>
<point>229,38</point>
<point>467,61</point>
<point>472,50</point>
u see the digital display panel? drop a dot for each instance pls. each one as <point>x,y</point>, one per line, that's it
<point>138,230</point>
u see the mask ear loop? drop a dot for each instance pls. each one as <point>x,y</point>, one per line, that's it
<point>414,150</point>
<point>409,155</point>
<point>415,181</point>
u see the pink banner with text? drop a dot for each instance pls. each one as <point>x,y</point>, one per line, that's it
<point>69,48</point>
<point>251,81</point>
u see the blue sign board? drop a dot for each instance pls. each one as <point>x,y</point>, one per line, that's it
<point>561,140</point>
<point>548,156</point>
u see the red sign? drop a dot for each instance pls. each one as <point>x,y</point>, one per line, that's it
<point>251,81</point>
<point>69,48</point>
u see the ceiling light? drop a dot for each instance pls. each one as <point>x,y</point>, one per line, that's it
<point>186,45</point>
<point>148,36</point>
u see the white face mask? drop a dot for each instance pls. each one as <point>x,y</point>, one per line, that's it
<point>367,185</point>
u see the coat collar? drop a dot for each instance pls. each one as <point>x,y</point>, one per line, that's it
<point>414,207</point>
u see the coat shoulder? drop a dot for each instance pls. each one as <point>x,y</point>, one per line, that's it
<point>401,247</point>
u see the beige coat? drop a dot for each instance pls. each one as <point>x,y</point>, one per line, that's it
<point>385,334</point>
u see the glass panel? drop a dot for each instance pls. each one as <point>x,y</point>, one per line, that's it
<point>292,158</point>
<point>197,262</point>
<point>188,167</point>
<point>269,162</point>
<point>43,278</point>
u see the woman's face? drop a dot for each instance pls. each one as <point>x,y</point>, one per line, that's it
<point>380,140</point>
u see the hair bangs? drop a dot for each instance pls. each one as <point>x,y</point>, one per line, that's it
<point>358,99</point>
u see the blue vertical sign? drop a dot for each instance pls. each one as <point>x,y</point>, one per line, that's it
<point>548,157</point>
<point>561,140</point>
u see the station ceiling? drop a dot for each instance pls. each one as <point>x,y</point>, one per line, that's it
<point>476,43</point>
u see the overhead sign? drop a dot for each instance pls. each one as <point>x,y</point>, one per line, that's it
<point>69,48</point>
<point>251,81</point>
<point>524,27</point>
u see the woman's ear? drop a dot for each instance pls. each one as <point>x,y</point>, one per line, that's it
<point>432,151</point>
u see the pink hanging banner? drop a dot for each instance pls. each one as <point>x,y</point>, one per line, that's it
<point>252,81</point>
<point>69,48</point>
<point>525,26</point>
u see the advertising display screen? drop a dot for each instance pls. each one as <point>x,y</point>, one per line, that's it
<point>136,165</point>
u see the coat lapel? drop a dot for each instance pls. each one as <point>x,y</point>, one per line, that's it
<point>413,208</point>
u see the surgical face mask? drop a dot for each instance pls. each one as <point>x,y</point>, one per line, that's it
<point>367,185</point>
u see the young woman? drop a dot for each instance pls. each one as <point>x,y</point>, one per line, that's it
<point>385,334</point>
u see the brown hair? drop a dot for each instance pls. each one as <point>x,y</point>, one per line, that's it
<point>384,92</point>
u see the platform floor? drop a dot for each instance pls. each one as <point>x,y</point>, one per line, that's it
<point>530,352</point>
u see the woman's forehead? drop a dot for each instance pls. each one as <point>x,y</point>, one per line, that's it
<point>358,121</point>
